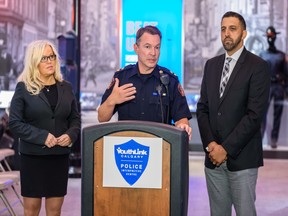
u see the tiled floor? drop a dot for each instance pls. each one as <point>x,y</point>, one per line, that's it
<point>272,191</point>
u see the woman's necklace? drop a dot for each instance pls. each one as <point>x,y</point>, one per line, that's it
<point>47,88</point>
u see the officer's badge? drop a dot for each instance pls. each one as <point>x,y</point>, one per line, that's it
<point>181,90</point>
<point>111,83</point>
<point>120,69</point>
<point>173,73</point>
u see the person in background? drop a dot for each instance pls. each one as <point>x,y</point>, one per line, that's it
<point>146,91</point>
<point>44,115</point>
<point>279,80</point>
<point>6,64</point>
<point>229,112</point>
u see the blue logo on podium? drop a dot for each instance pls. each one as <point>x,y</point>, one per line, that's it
<point>131,160</point>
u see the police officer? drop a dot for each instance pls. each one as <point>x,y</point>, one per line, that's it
<point>146,91</point>
<point>277,62</point>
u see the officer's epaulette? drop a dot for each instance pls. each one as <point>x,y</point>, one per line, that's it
<point>166,70</point>
<point>125,68</point>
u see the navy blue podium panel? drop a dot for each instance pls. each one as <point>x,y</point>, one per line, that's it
<point>171,199</point>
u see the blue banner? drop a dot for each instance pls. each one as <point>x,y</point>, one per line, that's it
<point>167,16</point>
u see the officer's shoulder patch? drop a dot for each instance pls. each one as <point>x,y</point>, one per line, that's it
<point>181,90</point>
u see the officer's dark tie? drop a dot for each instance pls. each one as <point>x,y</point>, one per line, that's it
<point>225,76</point>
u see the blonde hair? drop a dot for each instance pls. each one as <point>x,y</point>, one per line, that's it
<point>31,74</point>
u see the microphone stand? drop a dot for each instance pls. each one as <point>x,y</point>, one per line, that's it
<point>168,110</point>
<point>159,89</point>
<point>164,78</point>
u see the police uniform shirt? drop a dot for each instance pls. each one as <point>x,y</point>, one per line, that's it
<point>146,106</point>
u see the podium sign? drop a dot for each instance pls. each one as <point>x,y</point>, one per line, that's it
<point>134,162</point>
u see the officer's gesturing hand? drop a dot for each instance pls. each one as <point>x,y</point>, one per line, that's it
<point>119,94</point>
<point>123,93</point>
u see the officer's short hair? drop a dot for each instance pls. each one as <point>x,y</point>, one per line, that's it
<point>153,30</point>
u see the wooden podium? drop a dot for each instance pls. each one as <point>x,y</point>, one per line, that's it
<point>171,199</point>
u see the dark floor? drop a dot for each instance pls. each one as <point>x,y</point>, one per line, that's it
<point>272,191</point>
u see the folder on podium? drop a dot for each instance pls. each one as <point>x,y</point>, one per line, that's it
<point>134,168</point>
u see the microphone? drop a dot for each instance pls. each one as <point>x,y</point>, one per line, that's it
<point>164,78</point>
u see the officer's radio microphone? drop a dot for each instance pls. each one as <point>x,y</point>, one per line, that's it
<point>164,78</point>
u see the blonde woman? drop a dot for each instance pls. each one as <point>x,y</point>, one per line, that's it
<point>45,117</point>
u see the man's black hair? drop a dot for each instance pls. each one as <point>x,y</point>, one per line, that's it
<point>237,15</point>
